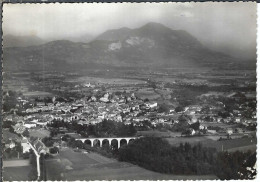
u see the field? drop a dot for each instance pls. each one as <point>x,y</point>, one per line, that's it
<point>15,163</point>
<point>8,135</point>
<point>37,94</point>
<point>213,94</point>
<point>243,149</point>
<point>155,133</point>
<point>192,140</point>
<point>147,93</point>
<point>109,81</point>
<point>237,142</point>
<point>16,173</point>
<point>221,125</point>
<point>41,133</point>
<point>70,165</point>
<point>230,145</point>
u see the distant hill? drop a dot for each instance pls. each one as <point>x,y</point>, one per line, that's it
<point>21,41</point>
<point>152,45</point>
<point>115,35</point>
<point>83,38</point>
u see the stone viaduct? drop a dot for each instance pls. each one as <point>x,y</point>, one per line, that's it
<point>100,140</point>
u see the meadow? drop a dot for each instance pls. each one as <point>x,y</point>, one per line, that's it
<point>147,93</point>
<point>109,81</point>
<point>16,173</point>
<point>37,94</point>
<point>156,133</point>
<point>70,165</point>
<point>230,145</point>
<point>41,133</point>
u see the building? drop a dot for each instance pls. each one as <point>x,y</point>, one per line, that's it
<point>40,147</point>
<point>25,145</point>
<point>152,105</point>
<point>29,125</point>
<point>10,144</point>
<point>212,131</point>
<point>229,131</point>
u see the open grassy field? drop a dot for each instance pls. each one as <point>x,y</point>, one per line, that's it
<point>230,145</point>
<point>156,133</point>
<point>16,173</point>
<point>147,93</point>
<point>243,149</point>
<point>7,135</point>
<point>67,160</point>
<point>110,81</point>
<point>15,163</point>
<point>221,125</point>
<point>41,133</point>
<point>37,93</point>
<point>70,165</point>
<point>192,140</point>
<point>119,171</point>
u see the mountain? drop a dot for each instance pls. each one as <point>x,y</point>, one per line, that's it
<point>21,41</point>
<point>114,35</point>
<point>83,38</point>
<point>152,45</point>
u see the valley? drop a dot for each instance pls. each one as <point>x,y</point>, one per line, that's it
<point>132,104</point>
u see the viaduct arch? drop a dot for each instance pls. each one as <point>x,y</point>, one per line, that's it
<point>93,140</point>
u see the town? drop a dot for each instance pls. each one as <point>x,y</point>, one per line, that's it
<point>129,91</point>
<point>60,113</point>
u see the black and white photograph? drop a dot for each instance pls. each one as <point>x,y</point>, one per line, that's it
<point>129,91</point>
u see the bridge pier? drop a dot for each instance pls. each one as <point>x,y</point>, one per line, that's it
<point>110,142</point>
<point>118,143</point>
<point>100,141</point>
<point>91,142</point>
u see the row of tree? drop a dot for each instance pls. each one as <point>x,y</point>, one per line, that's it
<point>106,128</point>
<point>158,155</point>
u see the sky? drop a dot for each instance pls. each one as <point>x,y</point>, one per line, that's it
<point>229,27</point>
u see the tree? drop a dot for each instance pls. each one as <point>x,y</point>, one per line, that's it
<point>163,108</point>
<point>187,132</point>
<point>179,109</point>
<point>131,130</point>
<point>48,141</point>
<point>182,125</point>
<point>235,165</point>
<point>18,147</point>
<point>54,150</point>
<point>183,118</point>
<point>11,129</point>
<point>146,100</point>
<point>8,124</point>
<point>26,155</point>
<point>26,133</point>
<point>195,126</point>
<point>79,144</point>
<point>53,132</point>
<point>157,154</point>
<point>33,174</point>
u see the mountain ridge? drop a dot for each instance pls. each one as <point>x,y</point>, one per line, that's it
<point>21,41</point>
<point>153,45</point>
